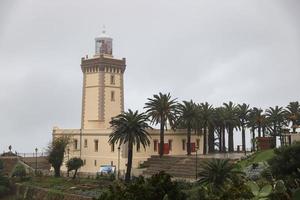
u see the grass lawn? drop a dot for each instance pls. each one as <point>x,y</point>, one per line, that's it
<point>80,186</point>
<point>259,156</point>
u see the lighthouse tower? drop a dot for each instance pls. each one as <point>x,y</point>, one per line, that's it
<point>103,91</point>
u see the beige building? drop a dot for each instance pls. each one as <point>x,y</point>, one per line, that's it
<point>102,99</point>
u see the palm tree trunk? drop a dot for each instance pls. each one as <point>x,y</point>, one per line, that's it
<point>230,139</point>
<point>294,126</point>
<point>253,139</point>
<point>274,136</point>
<point>211,140</point>
<point>204,140</point>
<point>220,139</point>
<point>75,173</point>
<point>259,130</point>
<point>162,141</point>
<point>243,139</point>
<point>129,162</point>
<point>223,139</point>
<point>57,171</point>
<point>188,140</point>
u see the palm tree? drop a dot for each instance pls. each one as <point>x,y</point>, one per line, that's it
<point>206,113</point>
<point>293,114</point>
<point>258,119</point>
<point>243,114</point>
<point>162,109</point>
<point>130,128</point>
<point>276,117</point>
<point>187,118</point>
<point>231,121</point>
<point>219,124</point>
<point>218,173</point>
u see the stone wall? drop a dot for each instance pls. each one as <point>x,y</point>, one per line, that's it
<point>36,193</point>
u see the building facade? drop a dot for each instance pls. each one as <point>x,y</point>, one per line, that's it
<point>102,99</point>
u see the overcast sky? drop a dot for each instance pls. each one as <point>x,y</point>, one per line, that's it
<point>216,51</point>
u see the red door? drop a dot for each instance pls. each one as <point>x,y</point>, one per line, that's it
<point>166,148</point>
<point>193,147</point>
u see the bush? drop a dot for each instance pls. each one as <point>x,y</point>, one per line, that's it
<point>286,162</point>
<point>4,186</point>
<point>158,187</point>
<point>74,164</point>
<point>19,171</point>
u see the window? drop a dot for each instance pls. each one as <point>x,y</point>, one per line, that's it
<point>112,96</point>
<point>84,162</point>
<point>75,144</point>
<point>198,143</point>
<point>155,145</point>
<point>85,143</point>
<point>183,145</point>
<point>95,162</point>
<point>112,79</point>
<point>112,147</point>
<point>96,145</point>
<point>170,145</point>
<point>138,148</point>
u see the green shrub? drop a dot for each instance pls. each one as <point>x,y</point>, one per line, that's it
<point>4,186</point>
<point>158,187</point>
<point>19,171</point>
<point>74,164</point>
<point>286,162</point>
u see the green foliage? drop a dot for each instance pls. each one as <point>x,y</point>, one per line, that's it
<point>19,171</point>
<point>259,156</point>
<point>218,173</point>
<point>74,164</point>
<point>56,151</point>
<point>4,186</point>
<point>286,162</point>
<point>158,187</point>
<point>296,194</point>
<point>162,109</point>
<point>259,193</point>
<point>130,128</point>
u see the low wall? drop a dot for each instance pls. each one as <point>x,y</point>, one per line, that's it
<point>9,164</point>
<point>36,193</point>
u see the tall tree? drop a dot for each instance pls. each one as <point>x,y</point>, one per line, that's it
<point>219,124</point>
<point>130,128</point>
<point>206,113</point>
<point>231,121</point>
<point>187,118</point>
<point>243,115</point>
<point>258,119</point>
<point>56,151</point>
<point>162,109</point>
<point>293,114</point>
<point>276,117</point>
<point>74,164</point>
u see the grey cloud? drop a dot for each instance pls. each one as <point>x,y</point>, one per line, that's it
<point>215,51</point>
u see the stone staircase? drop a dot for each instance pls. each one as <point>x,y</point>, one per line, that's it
<point>177,166</point>
<point>182,167</point>
<point>42,163</point>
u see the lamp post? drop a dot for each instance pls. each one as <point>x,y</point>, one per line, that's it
<point>197,147</point>
<point>119,148</point>
<point>36,150</point>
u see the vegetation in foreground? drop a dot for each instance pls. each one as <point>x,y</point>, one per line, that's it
<point>277,179</point>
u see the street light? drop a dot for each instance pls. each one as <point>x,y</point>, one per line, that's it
<point>119,148</point>
<point>197,147</point>
<point>36,150</point>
